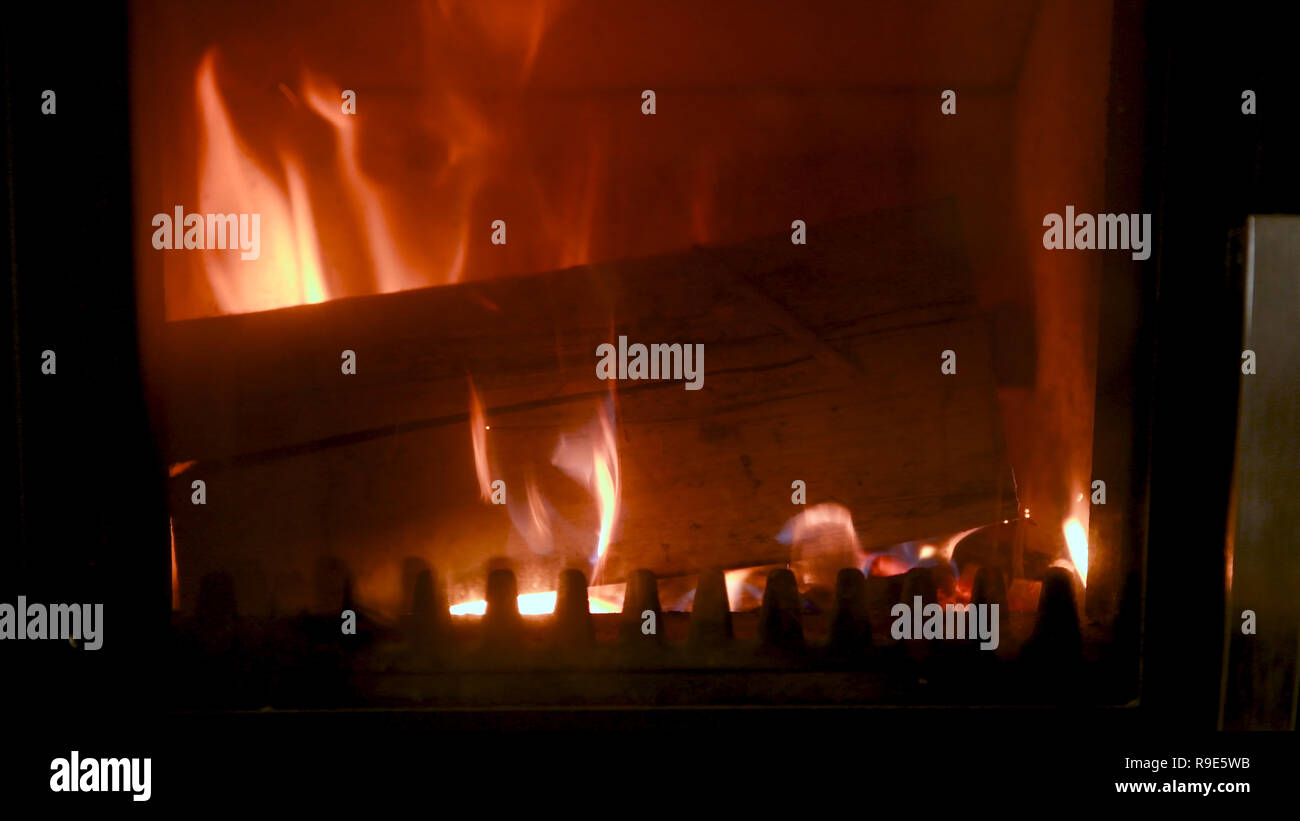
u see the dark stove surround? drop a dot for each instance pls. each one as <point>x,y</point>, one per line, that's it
<point>1164,333</point>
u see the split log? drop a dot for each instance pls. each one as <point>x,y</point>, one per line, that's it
<point>822,364</point>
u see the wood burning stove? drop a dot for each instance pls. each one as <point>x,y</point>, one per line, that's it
<point>532,359</point>
<point>368,419</point>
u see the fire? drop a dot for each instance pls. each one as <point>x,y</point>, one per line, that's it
<point>365,254</point>
<point>592,459</point>
<point>288,271</point>
<point>176,579</point>
<point>950,544</point>
<point>399,189</point>
<point>368,241</point>
<point>887,564</point>
<point>589,457</point>
<point>826,519</point>
<point>600,599</point>
<point>478,428</point>
<point>537,525</point>
<point>1076,539</point>
<point>605,470</point>
<point>391,271</point>
<point>735,581</point>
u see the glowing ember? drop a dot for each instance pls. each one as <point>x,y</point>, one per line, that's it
<point>903,557</point>
<point>1076,539</point>
<point>606,598</point>
<point>887,564</point>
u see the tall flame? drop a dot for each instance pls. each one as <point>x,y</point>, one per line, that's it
<point>288,270</point>
<point>589,457</point>
<point>294,268</point>
<point>1076,540</point>
<point>605,469</point>
<point>592,459</point>
<point>391,271</point>
<point>478,428</point>
<point>537,524</point>
<point>176,579</point>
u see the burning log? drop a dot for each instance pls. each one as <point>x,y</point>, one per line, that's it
<point>820,368</point>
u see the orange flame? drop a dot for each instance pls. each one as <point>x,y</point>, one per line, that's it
<point>288,270</point>
<point>343,213</point>
<point>738,586</point>
<point>293,267</point>
<point>825,519</point>
<point>539,519</point>
<point>391,271</point>
<point>606,598</point>
<point>1076,539</point>
<point>607,485</point>
<point>478,428</point>
<point>950,544</point>
<point>176,579</point>
<point>592,459</point>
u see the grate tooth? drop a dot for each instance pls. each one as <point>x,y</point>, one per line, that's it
<point>989,588</point>
<point>850,621</point>
<point>502,624</point>
<point>574,628</point>
<point>430,620</point>
<point>1057,640</point>
<point>780,619</point>
<point>711,613</point>
<point>332,582</point>
<point>642,596</point>
<point>919,582</point>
